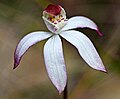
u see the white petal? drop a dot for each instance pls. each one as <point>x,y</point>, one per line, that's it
<point>54,60</point>
<point>26,43</point>
<point>80,22</point>
<point>85,48</point>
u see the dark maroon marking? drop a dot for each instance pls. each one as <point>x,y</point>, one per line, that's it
<point>53,9</point>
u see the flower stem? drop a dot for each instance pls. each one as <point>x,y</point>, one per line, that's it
<point>65,93</point>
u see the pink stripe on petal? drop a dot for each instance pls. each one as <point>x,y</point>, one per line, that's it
<point>26,42</point>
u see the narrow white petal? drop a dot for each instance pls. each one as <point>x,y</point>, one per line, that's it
<point>85,48</point>
<point>26,43</point>
<point>80,22</point>
<point>54,60</point>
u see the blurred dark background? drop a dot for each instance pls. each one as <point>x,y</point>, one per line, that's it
<point>30,80</point>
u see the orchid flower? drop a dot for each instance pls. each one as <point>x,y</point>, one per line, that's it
<point>55,19</point>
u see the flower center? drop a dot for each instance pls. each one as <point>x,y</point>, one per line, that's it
<point>54,17</point>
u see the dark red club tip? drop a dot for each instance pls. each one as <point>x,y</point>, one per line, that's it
<point>15,65</point>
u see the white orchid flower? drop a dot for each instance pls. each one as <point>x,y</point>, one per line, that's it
<point>54,17</point>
